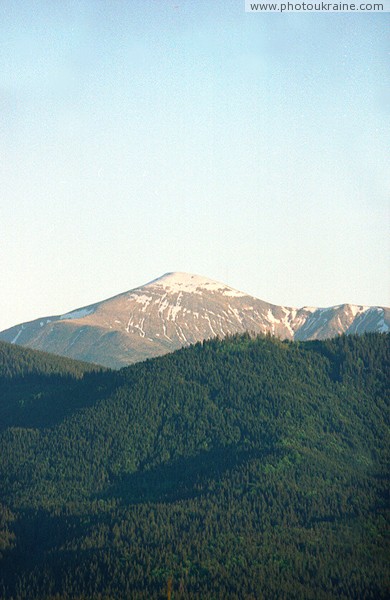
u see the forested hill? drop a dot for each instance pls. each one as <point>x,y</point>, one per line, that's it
<point>17,362</point>
<point>40,388</point>
<point>243,468</point>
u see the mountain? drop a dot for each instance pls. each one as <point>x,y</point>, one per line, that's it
<point>179,309</point>
<point>236,469</point>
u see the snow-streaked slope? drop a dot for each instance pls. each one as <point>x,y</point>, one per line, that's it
<point>178,309</point>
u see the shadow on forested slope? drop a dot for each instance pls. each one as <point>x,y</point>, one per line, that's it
<point>36,401</point>
<point>181,479</point>
<point>39,390</point>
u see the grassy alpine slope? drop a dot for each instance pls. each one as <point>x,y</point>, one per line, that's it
<point>242,468</point>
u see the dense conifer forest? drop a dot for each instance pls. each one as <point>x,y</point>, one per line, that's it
<point>246,468</point>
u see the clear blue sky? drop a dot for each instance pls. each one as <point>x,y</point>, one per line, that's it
<point>145,136</point>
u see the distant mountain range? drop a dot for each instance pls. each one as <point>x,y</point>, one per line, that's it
<point>179,309</point>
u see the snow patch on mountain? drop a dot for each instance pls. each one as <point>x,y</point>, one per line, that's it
<point>17,336</point>
<point>77,314</point>
<point>355,310</point>
<point>195,284</point>
<point>141,299</point>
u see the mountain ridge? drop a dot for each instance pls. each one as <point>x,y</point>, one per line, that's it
<point>176,310</point>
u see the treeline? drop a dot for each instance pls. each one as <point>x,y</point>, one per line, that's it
<point>242,468</point>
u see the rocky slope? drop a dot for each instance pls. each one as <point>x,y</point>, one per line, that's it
<point>179,309</point>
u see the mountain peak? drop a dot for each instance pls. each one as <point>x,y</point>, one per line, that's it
<point>178,281</point>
